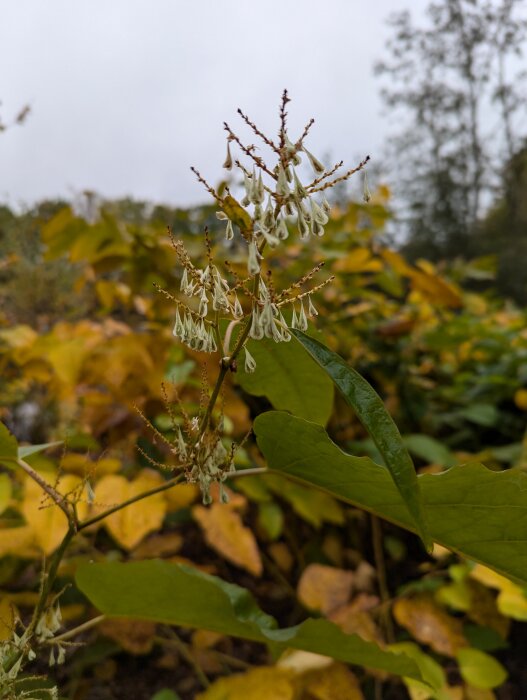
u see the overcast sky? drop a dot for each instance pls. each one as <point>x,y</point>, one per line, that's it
<point>127,94</point>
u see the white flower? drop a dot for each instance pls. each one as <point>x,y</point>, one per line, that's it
<point>250,362</point>
<point>253,266</point>
<point>315,163</point>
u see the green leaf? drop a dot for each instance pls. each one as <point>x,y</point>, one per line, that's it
<point>5,491</point>
<point>430,449</point>
<point>165,694</point>
<point>10,451</point>
<point>479,669</point>
<point>289,378</point>
<point>180,595</point>
<point>371,412</point>
<point>483,414</point>
<point>479,513</point>
<point>8,445</point>
<point>430,670</point>
<point>28,450</point>
<point>271,519</point>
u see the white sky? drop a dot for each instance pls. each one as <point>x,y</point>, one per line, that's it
<point>127,94</point>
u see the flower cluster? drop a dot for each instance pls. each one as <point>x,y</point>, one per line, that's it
<point>274,203</point>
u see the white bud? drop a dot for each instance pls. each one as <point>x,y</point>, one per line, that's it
<point>237,310</point>
<point>299,190</point>
<point>181,447</point>
<point>302,320</point>
<point>317,229</point>
<point>294,320</point>
<point>311,308</point>
<point>229,231</point>
<point>282,232</point>
<point>303,228</point>
<point>326,206</point>
<point>253,266</point>
<point>250,362</point>
<point>184,281</point>
<point>282,188</point>
<point>221,216</point>
<point>366,195</point>
<point>319,215</point>
<point>228,160</point>
<point>256,330</point>
<point>315,163</point>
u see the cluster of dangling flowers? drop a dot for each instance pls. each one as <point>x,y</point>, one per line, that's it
<point>274,202</point>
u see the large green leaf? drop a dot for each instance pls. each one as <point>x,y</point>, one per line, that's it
<point>472,510</point>
<point>370,410</point>
<point>8,445</point>
<point>289,378</point>
<point>180,595</point>
<point>10,451</point>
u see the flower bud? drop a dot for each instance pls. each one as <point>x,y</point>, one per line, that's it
<point>253,266</point>
<point>282,188</point>
<point>250,362</point>
<point>228,160</point>
<point>302,320</point>
<point>315,163</point>
<point>229,231</point>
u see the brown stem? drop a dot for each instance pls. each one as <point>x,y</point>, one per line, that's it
<point>376,531</point>
<point>52,493</point>
<point>145,494</point>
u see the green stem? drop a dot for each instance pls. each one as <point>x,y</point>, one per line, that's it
<point>77,630</point>
<point>378,552</point>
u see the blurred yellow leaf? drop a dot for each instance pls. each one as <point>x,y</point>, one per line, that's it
<point>335,681</point>
<point>430,624</point>
<point>181,496</point>
<point>19,541</point>
<point>134,636</point>
<point>520,399</point>
<point>358,260</point>
<point>129,525</point>
<point>47,521</point>
<point>225,532</point>
<point>324,588</point>
<point>263,683</point>
<point>159,545</point>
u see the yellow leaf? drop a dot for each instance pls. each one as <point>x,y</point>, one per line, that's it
<point>160,545</point>
<point>263,683</point>
<point>435,289</point>
<point>134,636</point>
<point>47,521</point>
<point>181,496</point>
<point>237,214</point>
<point>19,541</point>
<point>513,603</point>
<point>430,624</point>
<point>129,525</point>
<point>324,588</point>
<point>520,399</point>
<point>358,260</point>
<point>225,532</point>
<point>335,681</point>
<point>355,618</point>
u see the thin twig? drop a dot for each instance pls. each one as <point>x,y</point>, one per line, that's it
<point>346,176</point>
<point>257,131</point>
<point>52,493</point>
<point>145,494</point>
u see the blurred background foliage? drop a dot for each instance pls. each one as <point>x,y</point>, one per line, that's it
<point>86,347</point>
